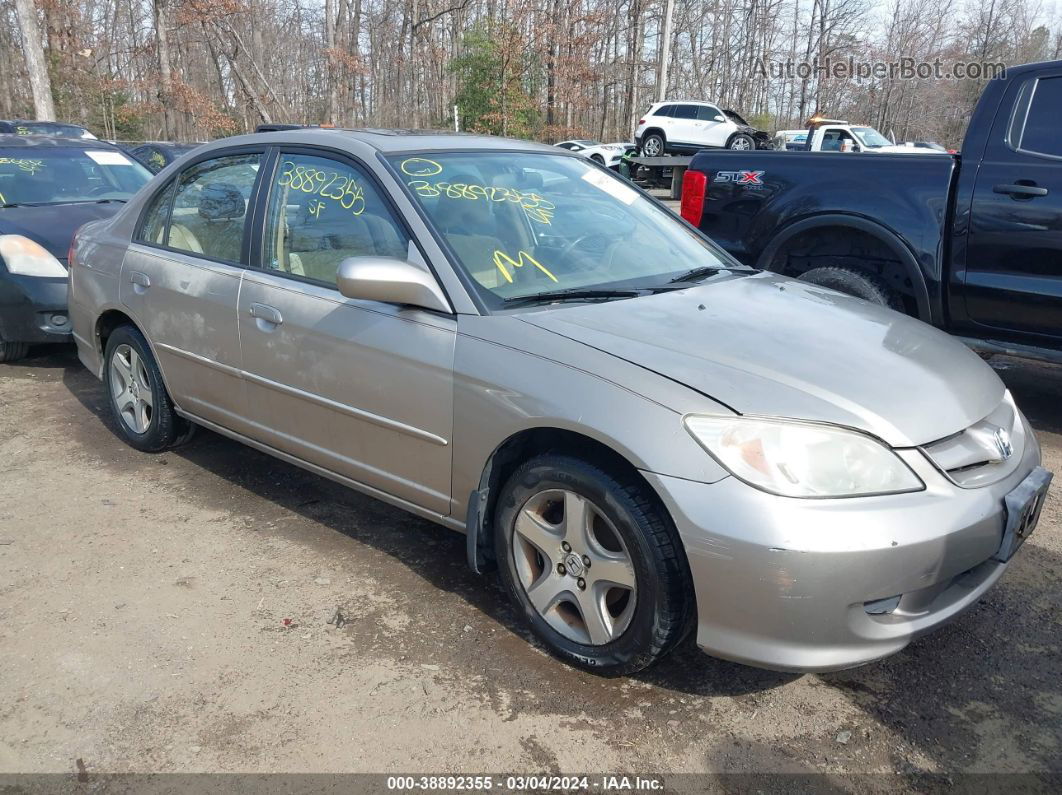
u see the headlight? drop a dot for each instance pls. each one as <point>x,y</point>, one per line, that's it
<point>24,256</point>
<point>796,459</point>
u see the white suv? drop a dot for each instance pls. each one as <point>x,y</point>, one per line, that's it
<point>686,127</point>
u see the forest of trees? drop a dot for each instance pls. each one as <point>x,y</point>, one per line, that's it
<point>546,69</point>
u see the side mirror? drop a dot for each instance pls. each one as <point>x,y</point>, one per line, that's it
<point>390,280</point>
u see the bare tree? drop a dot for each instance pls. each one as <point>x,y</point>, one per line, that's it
<point>36,66</point>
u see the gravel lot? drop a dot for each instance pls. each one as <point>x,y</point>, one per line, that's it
<point>143,603</point>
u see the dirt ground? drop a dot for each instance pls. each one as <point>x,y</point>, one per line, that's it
<point>143,603</point>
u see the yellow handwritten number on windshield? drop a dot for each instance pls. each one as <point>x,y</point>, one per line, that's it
<point>420,167</point>
<point>504,263</point>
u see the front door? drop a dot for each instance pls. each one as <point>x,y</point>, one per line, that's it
<point>1013,274</point>
<point>361,388</point>
<point>181,277</point>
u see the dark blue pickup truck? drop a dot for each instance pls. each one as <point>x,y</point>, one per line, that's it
<point>971,243</point>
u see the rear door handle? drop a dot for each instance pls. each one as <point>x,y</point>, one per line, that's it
<point>1022,191</point>
<point>267,314</point>
<point>140,282</point>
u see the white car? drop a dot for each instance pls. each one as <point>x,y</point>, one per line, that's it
<point>688,127</point>
<point>608,155</point>
<point>840,136</point>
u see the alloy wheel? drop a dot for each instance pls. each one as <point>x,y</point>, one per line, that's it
<point>652,147</point>
<point>131,388</point>
<point>574,567</point>
<point>740,143</point>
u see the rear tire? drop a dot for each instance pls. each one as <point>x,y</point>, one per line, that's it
<point>861,284</point>
<point>13,351</point>
<point>653,145</point>
<point>619,597</point>
<point>137,395</point>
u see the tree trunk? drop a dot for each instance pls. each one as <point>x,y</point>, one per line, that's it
<point>40,83</point>
<point>162,34</point>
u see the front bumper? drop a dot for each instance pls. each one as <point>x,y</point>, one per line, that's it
<point>811,585</point>
<point>33,309</point>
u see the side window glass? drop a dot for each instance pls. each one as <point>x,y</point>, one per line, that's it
<point>321,212</point>
<point>153,229</point>
<point>666,110</point>
<point>210,207</point>
<point>1040,134</point>
<point>706,113</point>
<point>685,112</point>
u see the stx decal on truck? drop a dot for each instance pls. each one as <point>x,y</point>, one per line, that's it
<point>740,177</point>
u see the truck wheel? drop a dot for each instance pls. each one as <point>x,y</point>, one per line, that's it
<point>592,564</point>
<point>861,284</point>
<point>653,145</point>
<point>741,142</point>
<point>13,351</point>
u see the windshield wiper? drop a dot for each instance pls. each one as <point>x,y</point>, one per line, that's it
<point>108,201</point>
<point>698,274</point>
<point>574,294</point>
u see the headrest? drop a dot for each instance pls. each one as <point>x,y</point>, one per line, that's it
<point>221,201</point>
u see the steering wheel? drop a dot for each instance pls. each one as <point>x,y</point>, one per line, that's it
<point>568,249</point>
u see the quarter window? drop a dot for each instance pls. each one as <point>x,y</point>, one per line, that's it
<point>153,230</point>
<point>210,207</point>
<point>1040,133</point>
<point>321,212</point>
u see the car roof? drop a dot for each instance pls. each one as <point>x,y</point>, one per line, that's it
<point>10,140</point>
<point>388,141</point>
<point>686,102</point>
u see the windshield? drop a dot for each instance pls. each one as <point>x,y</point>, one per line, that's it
<point>522,224</point>
<point>56,175</point>
<point>870,137</point>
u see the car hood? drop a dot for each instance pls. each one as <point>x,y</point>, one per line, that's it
<point>766,345</point>
<point>53,225</point>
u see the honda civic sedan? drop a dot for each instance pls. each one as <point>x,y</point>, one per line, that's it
<point>643,437</point>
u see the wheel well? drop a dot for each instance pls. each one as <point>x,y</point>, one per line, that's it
<point>846,247</point>
<point>651,131</point>
<point>513,452</point>
<point>108,322</point>
<point>597,158</point>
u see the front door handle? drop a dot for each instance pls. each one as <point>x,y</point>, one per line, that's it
<point>1019,191</point>
<point>266,314</point>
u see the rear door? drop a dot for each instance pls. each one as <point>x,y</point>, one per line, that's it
<point>181,276</point>
<point>685,127</point>
<point>1013,274</point>
<point>361,388</point>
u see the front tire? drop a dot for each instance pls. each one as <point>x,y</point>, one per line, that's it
<point>13,351</point>
<point>593,564</point>
<point>861,284</point>
<point>741,142</point>
<point>140,405</point>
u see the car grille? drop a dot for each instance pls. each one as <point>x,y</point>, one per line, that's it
<point>984,453</point>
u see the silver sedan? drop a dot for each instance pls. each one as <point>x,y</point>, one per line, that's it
<point>643,437</point>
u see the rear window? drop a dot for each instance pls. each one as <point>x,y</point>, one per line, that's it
<point>57,175</point>
<point>1040,133</point>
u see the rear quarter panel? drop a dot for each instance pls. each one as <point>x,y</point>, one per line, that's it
<point>93,287</point>
<point>908,195</point>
